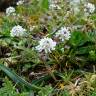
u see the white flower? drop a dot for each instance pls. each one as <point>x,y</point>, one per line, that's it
<point>54,6</point>
<point>90,8</point>
<point>17,31</point>
<point>10,10</point>
<point>20,2</point>
<point>63,34</point>
<point>46,44</point>
<point>75,2</point>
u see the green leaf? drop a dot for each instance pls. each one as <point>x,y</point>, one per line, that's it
<point>17,78</point>
<point>84,50</point>
<point>44,4</point>
<point>78,38</point>
<point>92,36</point>
<point>38,81</point>
<point>8,89</point>
<point>45,91</point>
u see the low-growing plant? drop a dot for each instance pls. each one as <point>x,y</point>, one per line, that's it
<point>47,46</point>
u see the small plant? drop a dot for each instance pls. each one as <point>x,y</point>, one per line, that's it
<point>9,89</point>
<point>48,48</point>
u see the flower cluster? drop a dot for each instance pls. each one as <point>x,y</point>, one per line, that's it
<point>75,2</point>
<point>75,5</point>
<point>53,4</point>
<point>10,11</point>
<point>20,2</point>
<point>90,8</point>
<point>63,34</point>
<point>46,44</point>
<point>17,31</point>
